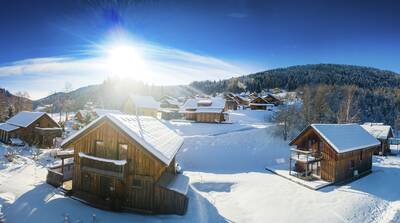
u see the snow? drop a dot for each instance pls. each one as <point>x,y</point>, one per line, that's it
<point>175,182</point>
<point>151,133</point>
<point>345,137</point>
<point>225,164</point>
<point>7,127</point>
<point>378,130</point>
<point>25,118</point>
<point>115,162</point>
<point>16,141</point>
<point>144,101</point>
<point>100,112</point>
<point>282,170</point>
<point>204,105</point>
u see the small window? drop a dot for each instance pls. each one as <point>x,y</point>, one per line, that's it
<point>99,149</point>
<point>361,155</point>
<point>352,164</point>
<point>137,184</point>
<point>122,151</point>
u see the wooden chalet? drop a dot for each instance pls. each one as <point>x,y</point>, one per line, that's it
<point>260,103</point>
<point>36,128</point>
<point>381,132</point>
<point>169,102</point>
<point>83,116</point>
<point>230,102</point>
<point>141,105</point>
<point>332,152</point>
<point>209,110</point>
<point>271,99</point>
<point>127,162</point>
<point>242,101</point>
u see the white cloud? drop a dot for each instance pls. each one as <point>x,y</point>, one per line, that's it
<point>165,66</point>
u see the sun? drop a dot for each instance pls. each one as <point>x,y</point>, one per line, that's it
<point>126,61</point>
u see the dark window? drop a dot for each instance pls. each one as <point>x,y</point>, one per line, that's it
<point>99,149</point>
<point>122,151</point>
<point>361,155</point>
<point>137,183</point>
<point>352,164</point>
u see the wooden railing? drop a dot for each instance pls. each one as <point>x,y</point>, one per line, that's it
<point>102,168</point>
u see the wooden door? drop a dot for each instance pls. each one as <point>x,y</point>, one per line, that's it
<point>141,194</point>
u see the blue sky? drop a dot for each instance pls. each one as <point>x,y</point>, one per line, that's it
<point>46,43</point>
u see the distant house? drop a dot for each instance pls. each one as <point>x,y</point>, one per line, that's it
<point>97,112</point>
<point>332,152</point>
<point>260,103</point>
<point>127,162</point>
<point>169,102</point>
<point>32,127</point>
<point>242,101</point>
<point>83,115</point>
<point>141,105</point>
<point>271,99</point>
<point>381,132</point>
<point>205,109</point>
<point>230,102</point>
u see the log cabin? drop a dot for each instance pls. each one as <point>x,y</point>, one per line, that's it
<point>127,162</point>
<point>210,110</point>
<point>36,128</point>
<point>230,102</point>
<point>381,132</point>
<point>259,103</point>
<point>141,105</point>
<point>271,99</point>
<point>169,102</point>
<point>332,152</point>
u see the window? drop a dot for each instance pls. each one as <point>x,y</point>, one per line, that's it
<point>361,155</point>
<point>122,151</point>
<point>137,183</point>
<point>352,164</point>
<point>100,151</point>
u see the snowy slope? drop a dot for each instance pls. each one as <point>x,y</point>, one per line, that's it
<point>227,184</point>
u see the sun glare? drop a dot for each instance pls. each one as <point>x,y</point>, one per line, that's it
<point>126,61</point>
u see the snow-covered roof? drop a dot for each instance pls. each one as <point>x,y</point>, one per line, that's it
<point>178,182</point>
<point>149,132</point>
<point>345,137</point>
<point>100,112</point>
<point>142,101</point>
<point>25,118</point>
<point>378,130</point>
<point>8,127</point>
<point>216,104</point>
<point>115,162</point>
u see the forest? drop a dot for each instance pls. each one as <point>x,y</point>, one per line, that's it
<point>330,93</point>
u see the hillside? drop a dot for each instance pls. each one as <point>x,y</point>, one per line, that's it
<point>293,77</point>
<point>109,94</point>
<point>11,104</point>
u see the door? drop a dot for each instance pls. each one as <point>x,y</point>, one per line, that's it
<point>141,194</point>
<point>107,187</point>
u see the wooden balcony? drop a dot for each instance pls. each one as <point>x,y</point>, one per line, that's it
<point>102,166</point>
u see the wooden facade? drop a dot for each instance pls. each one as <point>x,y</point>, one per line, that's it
<point>129,107</point>
<point>272,100</point>
<point>214,117</point>
<point>258,103</point>
<point>130,186</point>
<point>325,162</point>
<point>40,132</point>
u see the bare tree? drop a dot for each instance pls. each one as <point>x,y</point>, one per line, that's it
<point>22,97</point>
<point>288,119</point>
<point>348,109</point>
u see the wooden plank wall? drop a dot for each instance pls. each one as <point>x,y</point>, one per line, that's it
<point>141,166</point>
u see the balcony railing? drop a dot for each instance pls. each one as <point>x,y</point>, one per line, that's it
<point>102,166</point>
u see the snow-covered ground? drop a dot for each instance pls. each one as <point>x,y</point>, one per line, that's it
<point>228,183</point>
